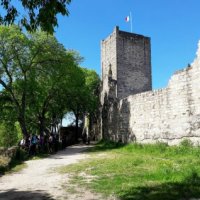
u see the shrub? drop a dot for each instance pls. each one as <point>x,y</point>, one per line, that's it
<point>21,155</point>
<point>8,135</point>
<point>186,143</point>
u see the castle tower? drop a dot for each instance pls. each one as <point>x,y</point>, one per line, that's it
<point>125,59</point>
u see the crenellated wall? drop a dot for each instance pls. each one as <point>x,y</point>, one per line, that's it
<point>167,115</point>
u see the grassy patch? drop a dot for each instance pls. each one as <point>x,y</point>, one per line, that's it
<point>136,171</point>
<point>16,166</point>
<point>40,156</point>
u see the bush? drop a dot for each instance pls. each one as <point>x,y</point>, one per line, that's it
<point>8,135</point>
<point>186,143</point>
<point>21,154</point>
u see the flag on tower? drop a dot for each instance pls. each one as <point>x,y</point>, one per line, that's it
<point>127,19</point>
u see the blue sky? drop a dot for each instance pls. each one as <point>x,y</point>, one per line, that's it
<point>173,25</point>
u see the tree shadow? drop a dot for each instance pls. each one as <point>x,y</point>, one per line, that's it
<point>19,195</point>
<point>106,146</point>
<point>189,189</point>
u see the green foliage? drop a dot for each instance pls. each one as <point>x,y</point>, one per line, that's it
<point>36,70</point>
<point>18,131</point>
<point>92,83</point>
<point>8,135</point>
<point>136,171</point>
<point>41,14</point>
<point>86,92</point>
<point>15,66</point>
<point>105,145</point>
<point>186,143</point>
<point>21,155</point>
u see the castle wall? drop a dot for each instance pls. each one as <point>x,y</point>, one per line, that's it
<point>128,56</point>
<point>108,59</point>
<point>167,115</point>
<point>133,64</point>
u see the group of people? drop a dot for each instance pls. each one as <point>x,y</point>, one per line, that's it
<point>40,144</point>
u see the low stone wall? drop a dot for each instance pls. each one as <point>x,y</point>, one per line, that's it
<point>166,115</point>
<point>9,152</point>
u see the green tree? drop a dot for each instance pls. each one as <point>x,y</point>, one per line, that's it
<point>7,113</point>
<point>10,132</point>
<point>31,66</point>
<point>67,92</point>
<point>42,81</point>
<point>14,66</point>
<point>51,88</point>
<point>36,14</point>
<point>85,95</point>
<point>92,83</point>
<point>8,135</point>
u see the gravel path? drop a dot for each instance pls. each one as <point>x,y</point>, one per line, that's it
<point>38,181</point>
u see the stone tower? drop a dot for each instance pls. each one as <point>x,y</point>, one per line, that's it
<point>128,113</point>
<point>125,64</point>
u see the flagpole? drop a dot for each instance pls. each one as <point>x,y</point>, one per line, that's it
<point>131,22</point>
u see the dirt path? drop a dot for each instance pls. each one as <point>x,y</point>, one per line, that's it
<point>38,181</point>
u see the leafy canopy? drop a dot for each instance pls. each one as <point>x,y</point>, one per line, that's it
<point>37,73</point>
<point>36,13</point>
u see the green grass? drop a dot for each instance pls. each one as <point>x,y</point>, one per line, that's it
<point>133,172</point>
<point>40,156</point>
<point>16,166</point>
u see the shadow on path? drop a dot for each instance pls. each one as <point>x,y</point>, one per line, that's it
<point>72,150</point>
<point>106,146</point>
<point>20,195</point>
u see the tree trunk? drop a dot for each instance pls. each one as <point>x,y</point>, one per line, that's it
<point>76,130</point>
<point>42,117</point>
<point>41,125</point>
<point>22,123</point>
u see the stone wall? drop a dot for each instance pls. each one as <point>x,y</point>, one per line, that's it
<point>108,60</point>
<point>133,64</point>
<point>167,115</point>
<point>126,59</point>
